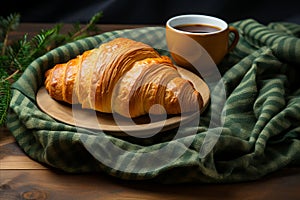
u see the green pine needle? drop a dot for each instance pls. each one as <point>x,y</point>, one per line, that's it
<point>5,96</point>
<point>15,57</point>
<point>8,24</point>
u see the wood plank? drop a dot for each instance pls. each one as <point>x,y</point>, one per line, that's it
<point>34,28</point>
<point>19,162</point>
<point>50,184</point>
<point>6,140</point>
<point>4,134</point>
<point>11,156</point>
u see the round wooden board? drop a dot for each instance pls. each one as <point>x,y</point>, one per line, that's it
<point>120,126</point>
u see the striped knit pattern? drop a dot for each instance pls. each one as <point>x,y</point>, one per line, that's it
<point>258,129</point>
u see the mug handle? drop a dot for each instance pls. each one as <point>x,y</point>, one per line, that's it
<point>236,37</point>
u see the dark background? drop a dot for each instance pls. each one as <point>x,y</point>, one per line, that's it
<point>150,11</point>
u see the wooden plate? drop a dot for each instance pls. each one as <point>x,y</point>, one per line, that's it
<point>141,126</point>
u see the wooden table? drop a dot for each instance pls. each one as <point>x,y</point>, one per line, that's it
<point>23,178</point>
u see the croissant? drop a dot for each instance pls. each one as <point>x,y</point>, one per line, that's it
<point>123,76</point>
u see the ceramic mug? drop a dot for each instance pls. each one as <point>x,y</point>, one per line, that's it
<point>186,35</point>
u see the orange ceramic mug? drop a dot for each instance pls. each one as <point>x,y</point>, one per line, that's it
<point>188,36</point>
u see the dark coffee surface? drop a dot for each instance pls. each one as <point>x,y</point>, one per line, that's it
<point>197,28</point>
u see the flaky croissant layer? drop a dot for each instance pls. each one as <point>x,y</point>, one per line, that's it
<point>123,76</point>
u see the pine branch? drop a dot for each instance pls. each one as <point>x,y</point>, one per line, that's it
<point>6,25</point>
<point>93,20</point>
<point>5,96</point>
<point>40,41</point>
<point>19,54</point>
<point>15,58</point>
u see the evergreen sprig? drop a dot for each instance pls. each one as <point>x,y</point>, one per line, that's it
<point>5,96</point>
<point>8,24</point>
<point>17,55</point>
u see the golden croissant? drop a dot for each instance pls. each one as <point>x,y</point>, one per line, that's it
<point>123,76</point>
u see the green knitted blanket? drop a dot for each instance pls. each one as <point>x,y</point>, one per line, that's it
<point>256,131</point>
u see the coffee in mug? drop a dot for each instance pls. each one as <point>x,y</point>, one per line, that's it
<point>191,36</point>
<point>197,28</point>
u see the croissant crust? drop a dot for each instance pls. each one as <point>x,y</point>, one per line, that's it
<point>125,77</point>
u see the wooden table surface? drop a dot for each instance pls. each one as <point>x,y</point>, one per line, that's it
<point>23,178</point>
